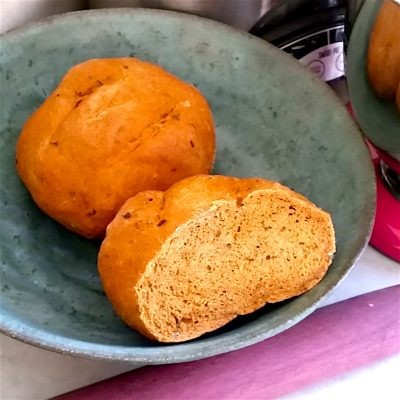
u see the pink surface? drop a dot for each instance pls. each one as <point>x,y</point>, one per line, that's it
<point>333,340</point>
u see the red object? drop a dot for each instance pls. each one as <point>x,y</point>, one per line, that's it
<point>386,232</point>
<point>333,340</point>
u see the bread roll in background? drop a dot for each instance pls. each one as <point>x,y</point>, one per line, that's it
<point>384,51</point>
<point>112,128</point>
<point>183,262</point>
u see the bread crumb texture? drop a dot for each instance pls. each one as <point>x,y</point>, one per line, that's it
<point>112,128</point>
<point>183,262</point>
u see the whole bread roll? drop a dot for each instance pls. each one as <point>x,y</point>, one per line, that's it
<point>183,262</point>
<point>384,51</point>
<point>112,128</point>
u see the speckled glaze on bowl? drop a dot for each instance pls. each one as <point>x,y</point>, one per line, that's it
<point>379,119</point>
<point>273,119</point>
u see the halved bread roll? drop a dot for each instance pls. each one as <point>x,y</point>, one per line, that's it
<point>183,262</point>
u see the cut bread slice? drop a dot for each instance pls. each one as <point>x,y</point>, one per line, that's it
<point>183,262</point>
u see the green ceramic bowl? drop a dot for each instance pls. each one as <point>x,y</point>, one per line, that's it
<point>273,119</point>
<point>379,119</point>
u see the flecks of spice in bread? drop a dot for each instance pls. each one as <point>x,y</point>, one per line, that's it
<point>241,245</point>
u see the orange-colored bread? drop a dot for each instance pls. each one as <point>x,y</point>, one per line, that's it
<point>112,128</point>
<point>183,262</point>
<point>384,51</point>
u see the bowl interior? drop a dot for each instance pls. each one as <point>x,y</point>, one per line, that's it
<point>378,118</point>
<point>273,119</point>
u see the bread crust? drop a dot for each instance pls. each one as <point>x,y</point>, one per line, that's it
<point>143,228</point>
<point>112,128</point>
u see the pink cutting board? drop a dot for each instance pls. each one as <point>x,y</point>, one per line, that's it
<point>333,340</point>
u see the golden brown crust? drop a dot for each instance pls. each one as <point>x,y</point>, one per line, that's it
<point>112,128</point>
<point>384,51</point>
<point>143,228</point>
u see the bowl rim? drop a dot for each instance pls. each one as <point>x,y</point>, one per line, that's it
<point>202,347</point>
